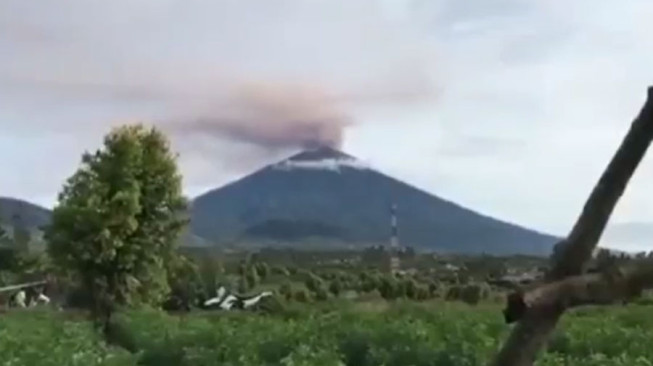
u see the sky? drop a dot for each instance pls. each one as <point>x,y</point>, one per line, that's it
<point>510,107</point>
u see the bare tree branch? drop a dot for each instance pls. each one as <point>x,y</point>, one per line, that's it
<point>591,289</point>
<point>536,323</point>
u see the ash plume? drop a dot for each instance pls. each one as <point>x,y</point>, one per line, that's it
<point>272,117</point>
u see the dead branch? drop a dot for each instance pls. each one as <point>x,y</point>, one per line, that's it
<point>539,311</point>
<point>606,288</point>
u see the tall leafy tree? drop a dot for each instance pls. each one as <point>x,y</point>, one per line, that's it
<point>118,220</point>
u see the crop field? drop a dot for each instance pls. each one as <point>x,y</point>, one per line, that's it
<point>352,334</point>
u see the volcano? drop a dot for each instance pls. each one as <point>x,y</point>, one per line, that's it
<point>325,197</point>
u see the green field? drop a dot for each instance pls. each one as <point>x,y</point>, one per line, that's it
<point>360,334</point>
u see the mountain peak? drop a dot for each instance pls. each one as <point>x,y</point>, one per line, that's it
<point>320,158</point>
<point>318,153</point>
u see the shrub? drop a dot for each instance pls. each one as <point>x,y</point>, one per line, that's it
<point>410,288</point>
<point>313,282</point>
<point>282,271</point>
<point>321,294</point>
<point>286,290</point>
<point>252,277</point>
<point>262,270</point>
<point>388,288</point>
<point>302,295</point>
<point>335,287</point>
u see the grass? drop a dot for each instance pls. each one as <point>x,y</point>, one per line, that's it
<point>335,333</point>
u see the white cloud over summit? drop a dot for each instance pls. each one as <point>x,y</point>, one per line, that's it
<point>513,107</point>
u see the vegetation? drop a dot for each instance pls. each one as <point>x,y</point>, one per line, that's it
<point>114,235</point>
<point>118,219</point>
<point>360,334</point>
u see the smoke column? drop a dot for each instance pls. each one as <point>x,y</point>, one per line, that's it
<point>277,116</point>
<point>272,116</point>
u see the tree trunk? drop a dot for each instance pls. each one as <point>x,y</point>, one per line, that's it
<point>537,320</point>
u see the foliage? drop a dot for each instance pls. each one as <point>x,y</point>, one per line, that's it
<point>313,282</point>
<point>409,288</point>
<point>252,277</point>
<point>389,288</point>
<point>262,270</point>
<point>30,338</point>
<point>186,286</point>
<point>210,273</point>
<point>335,287</point>
<point>243,285</point>
<point>285,290</point>
<point>432,334</point>
<point>119,217</point>
<point>302,296</point>
<point>282,271</point>
<point>433,288</point>
<point>321,293</point>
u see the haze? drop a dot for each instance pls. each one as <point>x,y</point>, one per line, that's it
<point>512,108</point>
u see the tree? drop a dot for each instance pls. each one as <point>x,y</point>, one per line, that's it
<point>321,294</point>
<point>433,288</point>
<point>313,282</point>
<point>335,287</point>
<point>388,288</point>
<point>410,288</point>
<point>286,290</point>
<point>185,282</point>
<point>243,285</point>
<point>118,220</point>
<point>262,269</point>
<point>302,295</point>
<point>538,309</point>
<point>252,277</point>
<point>210,272</point>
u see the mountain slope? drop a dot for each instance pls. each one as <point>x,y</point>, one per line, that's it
<point>326,193</point>
<point>30,215</point>
<point>35,217</point>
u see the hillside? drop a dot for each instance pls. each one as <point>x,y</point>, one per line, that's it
<point>31,215</point>
<point>324,194</point>
<point>35,217</point>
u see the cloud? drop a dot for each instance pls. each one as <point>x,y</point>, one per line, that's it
<point>78,67</point>
<point>563,80</point>
<point>526,100</point>
<point>271,75</point>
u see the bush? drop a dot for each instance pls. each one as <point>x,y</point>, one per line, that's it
<point>422,293</point>
<point>335,287</point>
<point>285,290</point>
<point>410,288</point>
<point>313,282</point>
<point>321,294</point>
<point>453,293</point>
<point>433,289</point>
<point>388,288</point>
<point>473,293</point>
<point>262,270</point>
<point>282,271</point>
<point>302,295</point>
<point>401,334</point>
<point>243,285</point>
